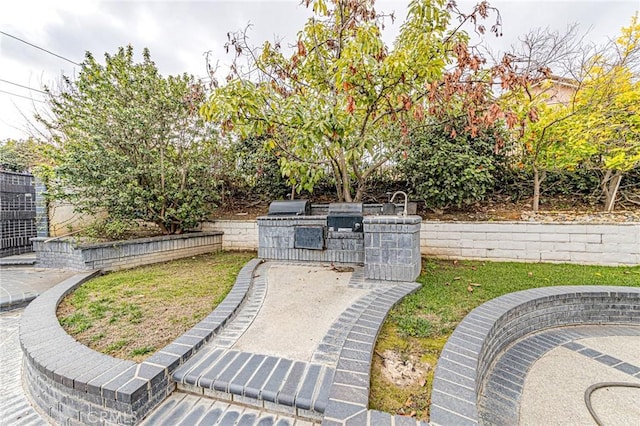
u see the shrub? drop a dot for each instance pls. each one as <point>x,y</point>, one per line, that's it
<point>446,169</point>
<point>132,143</point>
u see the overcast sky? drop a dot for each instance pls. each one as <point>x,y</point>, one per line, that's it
<point>179,32</point>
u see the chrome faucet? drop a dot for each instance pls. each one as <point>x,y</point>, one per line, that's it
<point>404,212</point>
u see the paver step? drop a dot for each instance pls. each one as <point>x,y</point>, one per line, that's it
<point>182,409</point>
<point>16,263</point>
<point>278,384</point>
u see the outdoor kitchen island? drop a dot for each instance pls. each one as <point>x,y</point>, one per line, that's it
<point>388,246</point>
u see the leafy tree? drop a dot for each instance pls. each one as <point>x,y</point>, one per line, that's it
<point>445,170</point>
<point>608,132</point>
<point>132,144</point>
<point>19,155</point>
<point>256,170</point>
<point>341,104</point>
<point>529,103</point>
<point>600,124</point>
<point>597,124</point>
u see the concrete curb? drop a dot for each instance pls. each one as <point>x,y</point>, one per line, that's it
<point>16,301</point>
<point>16,263</point>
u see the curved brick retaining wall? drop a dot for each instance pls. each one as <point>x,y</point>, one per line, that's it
<point>66,253</point>
<point>488,330</point>
<point>75,385</point>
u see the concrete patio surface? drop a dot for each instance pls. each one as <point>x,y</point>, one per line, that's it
<point>21,281</point>
<point>554,388</point>
<point>308,300</point>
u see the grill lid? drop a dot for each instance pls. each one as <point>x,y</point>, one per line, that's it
<point>345,217</point>
<point>289,208</point>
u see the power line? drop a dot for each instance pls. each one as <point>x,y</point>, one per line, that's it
<point>24,87</point>
<point>20,96</point>
<point>40,48</point>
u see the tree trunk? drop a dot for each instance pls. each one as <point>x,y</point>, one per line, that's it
<point>612,191</point>
<point>338,190</point>
<point>359,192</point>
<point>346,180</point>
<point>346,192</point>
<point>538,178</point>
<point>337,174</point>
<point>163,228</point>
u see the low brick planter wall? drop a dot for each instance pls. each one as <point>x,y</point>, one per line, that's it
<point>66,253</point>
<point>75,385</point>
<point>484,333</point>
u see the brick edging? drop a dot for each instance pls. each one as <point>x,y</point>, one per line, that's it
<point>74,384</point>
<point>349,393</point>
<point>472,349</point>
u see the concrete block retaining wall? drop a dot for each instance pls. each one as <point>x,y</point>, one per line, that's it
<point>74,385</point>
<point>488,330</point>
<point>67,254</point>
<point>238,234</point>
<point>579,243</point>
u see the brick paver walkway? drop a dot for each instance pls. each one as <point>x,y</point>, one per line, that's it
<point>14,405</point>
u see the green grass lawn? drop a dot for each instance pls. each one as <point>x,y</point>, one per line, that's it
<point>130,314</point>
<point>419,326</point>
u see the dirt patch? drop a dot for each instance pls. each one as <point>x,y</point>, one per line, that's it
<point>403,370</point>
<point>560,209</point>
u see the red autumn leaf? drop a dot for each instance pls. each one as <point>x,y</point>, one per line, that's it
<point>351,106</point>
<point>302,51</point>
<point>418,112</point>
<point>512,119</point>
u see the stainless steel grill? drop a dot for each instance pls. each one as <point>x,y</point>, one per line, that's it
<point>345,217</point>
<point>289,208</point>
